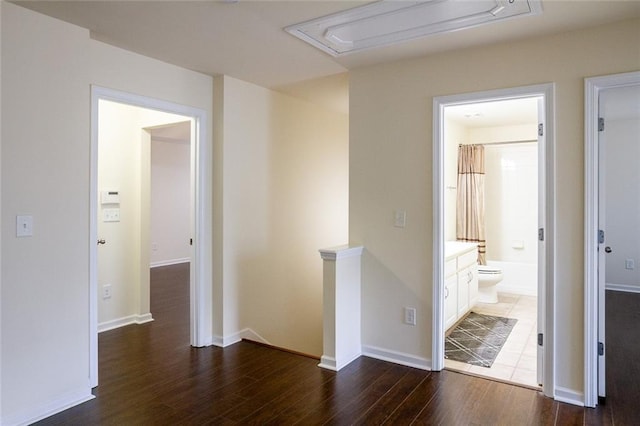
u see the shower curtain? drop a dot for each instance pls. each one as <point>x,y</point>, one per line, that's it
<point>470,200</point>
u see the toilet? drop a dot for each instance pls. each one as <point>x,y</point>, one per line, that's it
<point>488,277</point>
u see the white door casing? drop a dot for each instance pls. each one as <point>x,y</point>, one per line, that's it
<point>595,373</point>
<point>546,218</point>
<point>200,273</point>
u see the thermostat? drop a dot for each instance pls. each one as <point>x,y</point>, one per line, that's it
<point>110,197</point>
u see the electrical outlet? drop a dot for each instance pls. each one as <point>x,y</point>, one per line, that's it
<point>629,264</point>
<point>106,291</point>
<point>400,218</point>
<point>410,316</point>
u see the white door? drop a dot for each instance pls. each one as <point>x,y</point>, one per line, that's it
<point>618,201</point>
<point>602,248</point>
<point>542,129</point>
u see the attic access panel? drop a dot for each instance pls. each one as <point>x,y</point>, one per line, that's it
<point>386,22</point>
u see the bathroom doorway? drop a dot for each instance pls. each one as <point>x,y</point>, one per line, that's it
<point>498,277</point>
<point>506,135</point>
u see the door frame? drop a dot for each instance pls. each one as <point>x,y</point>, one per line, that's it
<point>201,308</point>
<point>592,315</point>
<point>546,299</point>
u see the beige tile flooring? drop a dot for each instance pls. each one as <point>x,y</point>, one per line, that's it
<point>516,361</point>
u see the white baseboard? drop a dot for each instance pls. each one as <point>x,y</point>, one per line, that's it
<point>623,287</point>
<point>169,262</point>
<point>396,357</point>
<point>121,322</point>
<point>328,363</point>
<point>569,396</point>
<point>66,401</point>
<point>247,333</point>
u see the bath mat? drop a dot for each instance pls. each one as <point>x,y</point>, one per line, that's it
<point>478,338</point>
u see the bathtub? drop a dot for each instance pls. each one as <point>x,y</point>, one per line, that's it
<point>519,278</point>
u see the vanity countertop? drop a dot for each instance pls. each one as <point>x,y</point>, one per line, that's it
<point>456,248</point>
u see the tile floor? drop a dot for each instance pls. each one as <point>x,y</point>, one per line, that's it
<point>516,361</point>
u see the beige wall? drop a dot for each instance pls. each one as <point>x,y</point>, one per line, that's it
<point>47,69</point>
<point>390,168</point>
<point>285,183</point>
<point>45,173</point>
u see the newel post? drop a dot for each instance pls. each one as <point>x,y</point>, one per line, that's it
<point>341,306</point>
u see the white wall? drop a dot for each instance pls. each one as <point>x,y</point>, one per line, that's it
<point>511,214</point>
<point>170,201</point>
<point>511,202</point>
<point>622,152</point>
<point>45,173</point>
<point>47,69</point>
<point>285,195</point>
<point>123,161</point>
<point>390,167</point>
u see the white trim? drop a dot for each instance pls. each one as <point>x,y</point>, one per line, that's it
<point>623,287</point>
<point>64,402</point>
<point>121,322</point>
<point>201,308</point>
<point>340,252</point>
<point>569,396</point>
<point>396,357</point>
<point>547,91</point>
<point>169,262</point>
<point>592,88</point>
<point>247,333</point>
<point>328,363</point>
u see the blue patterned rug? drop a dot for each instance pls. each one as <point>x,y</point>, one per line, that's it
<point>477,339</point>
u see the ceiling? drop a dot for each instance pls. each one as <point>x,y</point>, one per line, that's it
<point>245,39</point>
<point>511,112</point>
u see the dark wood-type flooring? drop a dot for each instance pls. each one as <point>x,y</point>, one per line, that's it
<point>150,376</point>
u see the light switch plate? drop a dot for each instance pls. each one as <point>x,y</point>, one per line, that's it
<point>111,215</point>
<point>24,226</point>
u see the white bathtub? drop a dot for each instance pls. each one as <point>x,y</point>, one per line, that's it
<point>518,278</point>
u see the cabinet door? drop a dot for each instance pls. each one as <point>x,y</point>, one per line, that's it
<point>473,286</point>
<point>463,292</point>
<point>450,301</point>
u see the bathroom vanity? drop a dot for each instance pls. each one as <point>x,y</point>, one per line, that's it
<point>460,280</point>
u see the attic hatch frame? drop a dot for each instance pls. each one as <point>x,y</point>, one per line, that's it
<point>386,22</point>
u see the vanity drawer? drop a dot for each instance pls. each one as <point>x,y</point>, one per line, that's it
<point>467,259</point>
<point>450,267</point>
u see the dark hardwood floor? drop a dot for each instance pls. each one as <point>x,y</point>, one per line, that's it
<point>150,376</point>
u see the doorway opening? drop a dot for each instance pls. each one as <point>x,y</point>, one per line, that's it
<point>500,341</point>
<point>612,120</point>
<point>493,241</point>
<point>122,126</point>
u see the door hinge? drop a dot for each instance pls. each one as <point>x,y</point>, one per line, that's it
<point>601,124</point>
<point>541,129</point>
<point>540,339</point>
<point>541,234</point>
<point>190,241</point>
<point>600,236</point>
<point>600,348</point>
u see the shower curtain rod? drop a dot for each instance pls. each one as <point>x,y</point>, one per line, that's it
<point>499,143</point>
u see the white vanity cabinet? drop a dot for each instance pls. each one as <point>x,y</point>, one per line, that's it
<point>460,280</point>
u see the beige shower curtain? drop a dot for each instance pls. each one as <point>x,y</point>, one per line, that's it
<point>470,201</point>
